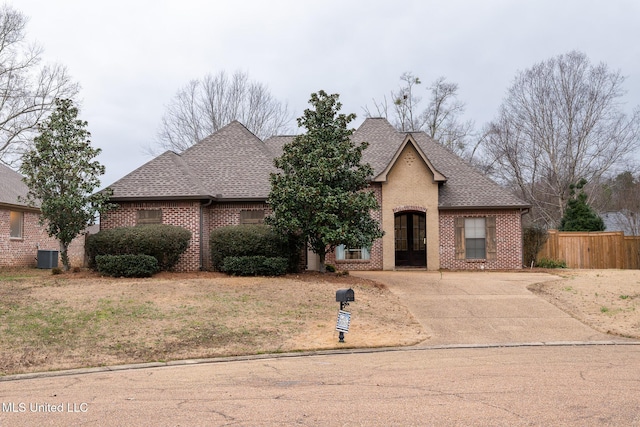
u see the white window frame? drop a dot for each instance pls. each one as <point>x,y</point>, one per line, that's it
<point>16,225</point>
<point>354,254</point>
<point>475,231</point>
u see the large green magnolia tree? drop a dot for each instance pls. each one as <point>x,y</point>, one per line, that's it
<point>321,195</point>
<point>62,176</point>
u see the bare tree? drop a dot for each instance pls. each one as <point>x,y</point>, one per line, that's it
<point>27,88</point>
<point>203,106</point>
<point>441,119</point>
<point>620,202</point>
<point>561,121</point>
<point>404,105</point>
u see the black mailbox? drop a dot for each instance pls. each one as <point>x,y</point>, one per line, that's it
<point>345,295</point>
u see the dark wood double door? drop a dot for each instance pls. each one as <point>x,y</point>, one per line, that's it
<point>411,239</point>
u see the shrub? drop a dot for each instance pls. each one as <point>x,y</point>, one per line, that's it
<point>533,238</point>
<point>255,266</point>
<point>127,265</point>
<point>330,268</point>
<point>252,240</point>
<point>551,263</point>
<point>166,243</point>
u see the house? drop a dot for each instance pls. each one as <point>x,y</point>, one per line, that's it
<point>437,211</point>
<point>624,221</point>
<point>21,234</point>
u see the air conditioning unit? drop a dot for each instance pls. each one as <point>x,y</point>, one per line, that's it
<point>47,259</point>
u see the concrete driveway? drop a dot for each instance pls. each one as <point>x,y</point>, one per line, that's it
<point>483,307</point>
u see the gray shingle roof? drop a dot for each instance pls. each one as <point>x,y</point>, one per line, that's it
<point>465,186</point>
<point>235,164</point>
<point>230,164</point>
<point>383,140</point>
<point>167,176</point>
<point>12,187</point>
<point>275,144</point>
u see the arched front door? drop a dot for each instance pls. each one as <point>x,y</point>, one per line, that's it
<point>411,239</point>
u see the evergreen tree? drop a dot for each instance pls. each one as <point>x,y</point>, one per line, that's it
<point>579,216</point>
<point>321,195</point>
<point>62,176</point>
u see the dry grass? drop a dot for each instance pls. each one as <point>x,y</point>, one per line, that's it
<point>52,322</point>
<point>606,300</point>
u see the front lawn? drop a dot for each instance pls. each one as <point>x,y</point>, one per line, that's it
<point>52,322</point>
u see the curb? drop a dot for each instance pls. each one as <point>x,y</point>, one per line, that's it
<point>187,362</point>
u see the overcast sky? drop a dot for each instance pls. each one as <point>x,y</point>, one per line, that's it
<point>131,57</point>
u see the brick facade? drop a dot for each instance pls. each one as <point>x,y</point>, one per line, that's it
<point>508,240</point>
<point>225,214</point>
<point>185,214</point>
<point>23,252</point>
<point>199,218</point>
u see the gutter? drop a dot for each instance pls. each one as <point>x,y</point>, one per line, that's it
<point>22,208</point>
<point>522,208</point>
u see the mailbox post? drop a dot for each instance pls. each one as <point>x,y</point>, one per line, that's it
<point>344,297</point>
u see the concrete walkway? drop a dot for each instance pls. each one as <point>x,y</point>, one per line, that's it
<point>483,307</point>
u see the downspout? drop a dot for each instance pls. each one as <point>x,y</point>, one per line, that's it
<point>201,231</point>
<point>523,212</point>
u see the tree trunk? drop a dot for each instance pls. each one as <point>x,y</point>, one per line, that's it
<point>64,254</point>
<point>322,268</point>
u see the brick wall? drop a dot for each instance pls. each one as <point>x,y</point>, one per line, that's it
<point>185,214</point>
<point>225,214</point>
<point>508,241</point>
<point>23,252</point>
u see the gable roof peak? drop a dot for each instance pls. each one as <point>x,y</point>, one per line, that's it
<point>234,129</point>
<point>409,140</point>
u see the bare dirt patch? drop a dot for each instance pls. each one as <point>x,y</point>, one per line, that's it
<point>52,322</point>
<point>606,300</point>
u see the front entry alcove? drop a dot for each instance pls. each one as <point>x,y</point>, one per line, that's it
<point>410,239</point>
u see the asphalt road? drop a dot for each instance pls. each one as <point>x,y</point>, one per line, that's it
<point>501,386</point>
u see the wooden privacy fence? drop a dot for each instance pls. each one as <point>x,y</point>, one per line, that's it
<point>603,249</point>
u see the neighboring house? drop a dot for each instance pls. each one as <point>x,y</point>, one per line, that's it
<point>21,235</point>
<point>437,211</point>
<point>627,222</point>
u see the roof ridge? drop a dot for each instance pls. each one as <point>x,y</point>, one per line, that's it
<point>184,167</point>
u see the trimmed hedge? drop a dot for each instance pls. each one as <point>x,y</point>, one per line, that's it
<point>166,243</point>
<point>255,266</point>
<point>252,240</point>
<point>127,265</point>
